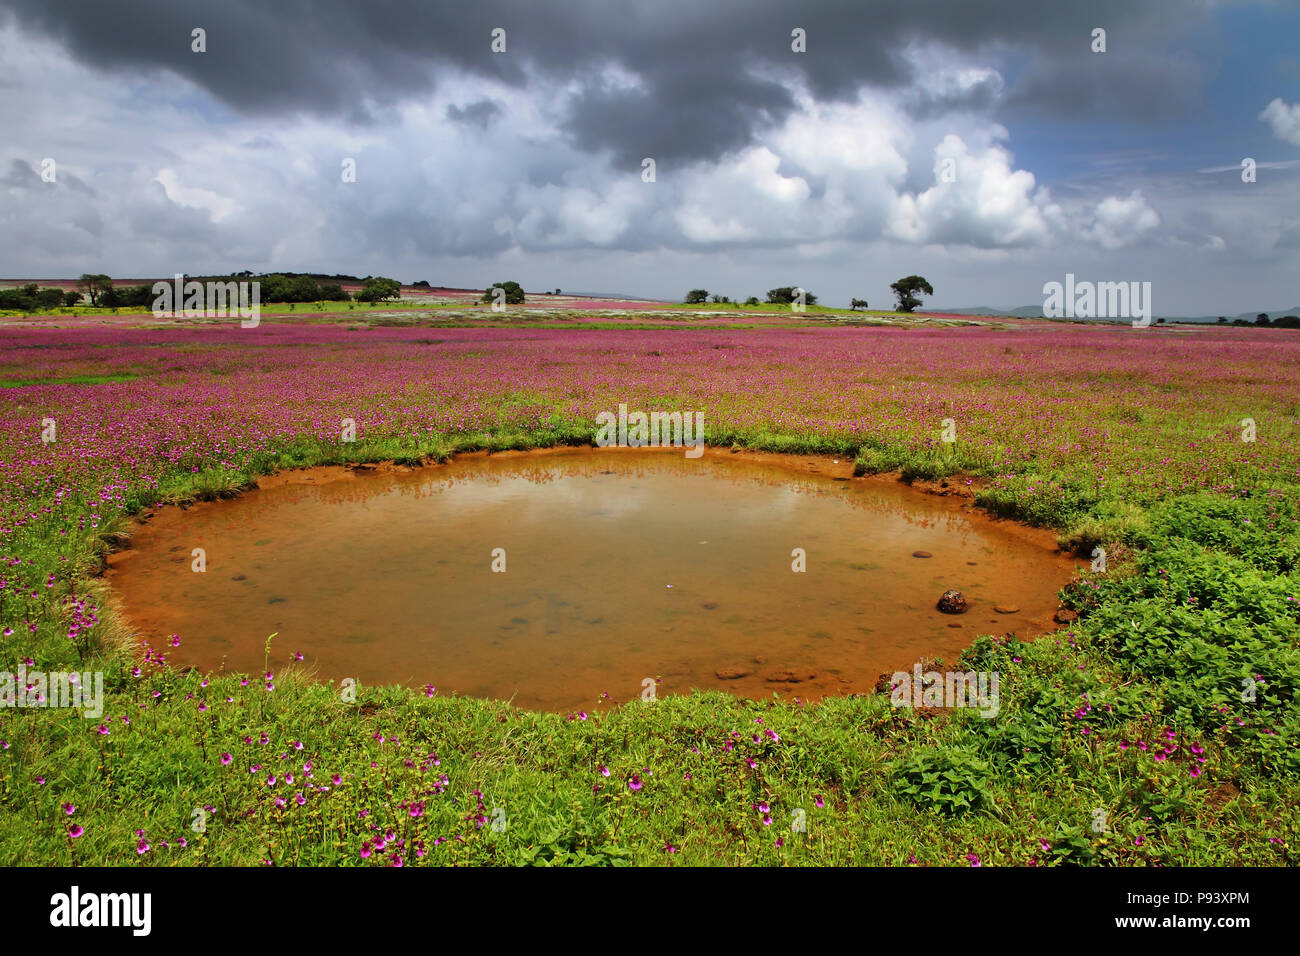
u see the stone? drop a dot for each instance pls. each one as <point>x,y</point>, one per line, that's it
<point>1065,616</point>
<point>732,673</point>
<point>1007,608</point>
<point>952,602</point>
<point>922,554</point>
<point>788,677</point>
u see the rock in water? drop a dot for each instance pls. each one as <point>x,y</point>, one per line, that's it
<point>789,677</point>
<point>732,673</point>
<point>952,602</point>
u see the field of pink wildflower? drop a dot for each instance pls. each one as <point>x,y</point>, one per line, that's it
<point>1138,412</point>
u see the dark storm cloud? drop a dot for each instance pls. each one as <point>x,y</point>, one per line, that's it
<point>1145,86</point>
<point>707,76</point>
<point>480,113</point>
<point>21,175</point>
<point>667,121</point>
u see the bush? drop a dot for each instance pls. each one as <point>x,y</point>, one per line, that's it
<point>49,298</point>
<point>786,295</point>
<point>514,292</point>
<point>947,780</point>
<point>333,292</point>
<point>379,288</point>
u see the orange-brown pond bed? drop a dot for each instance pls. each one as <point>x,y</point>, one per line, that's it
<point>620,566</point>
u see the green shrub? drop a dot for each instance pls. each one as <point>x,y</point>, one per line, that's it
<point>947,780</point>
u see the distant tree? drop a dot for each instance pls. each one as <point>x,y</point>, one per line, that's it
<point>332,292</point>
<point>906,290</point>
<point>1223,320</point>
<point>514,292</point>
<point>377,289</point>
<point>1287,322</point>
<point>722,299</point>
<point>304,289</point>
<point>559,292</point>
<point>1261,319</point>
<point>696,296</point>
<point>22,299</point>
<point>133,296</point>
<point>49,298</point>
<point>71,298</point>
<point>280,287</point>
<point>752,300</point>
<point>1160,321</point>
<point>858,302</point>
<point>422,284</point>
<point>786,294</point>
<point>93,284</point>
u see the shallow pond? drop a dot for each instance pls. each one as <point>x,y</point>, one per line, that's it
<point>621,567</point>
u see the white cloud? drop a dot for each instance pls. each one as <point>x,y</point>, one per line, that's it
<point>978,199</point>
<point>217,207</point>
<point>1119,222</point>
<point>740,200</point>
<point>1284,119</point>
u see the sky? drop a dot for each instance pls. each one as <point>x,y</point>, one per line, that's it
<point>986,146</point>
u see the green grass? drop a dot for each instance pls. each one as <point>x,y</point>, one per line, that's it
<point>70,380</point>
<point>1199,600</point>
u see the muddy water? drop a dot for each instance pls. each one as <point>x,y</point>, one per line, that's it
<point>621,565</point>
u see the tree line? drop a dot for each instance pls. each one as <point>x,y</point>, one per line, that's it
<point>99,291</point>
<point>907,291</point>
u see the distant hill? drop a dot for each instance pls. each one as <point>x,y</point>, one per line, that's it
<point>1036,312</point>
<point>1024,312</point>
<point>618,296</point>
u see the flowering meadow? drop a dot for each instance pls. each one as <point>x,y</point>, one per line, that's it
<point>1170,703</point>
